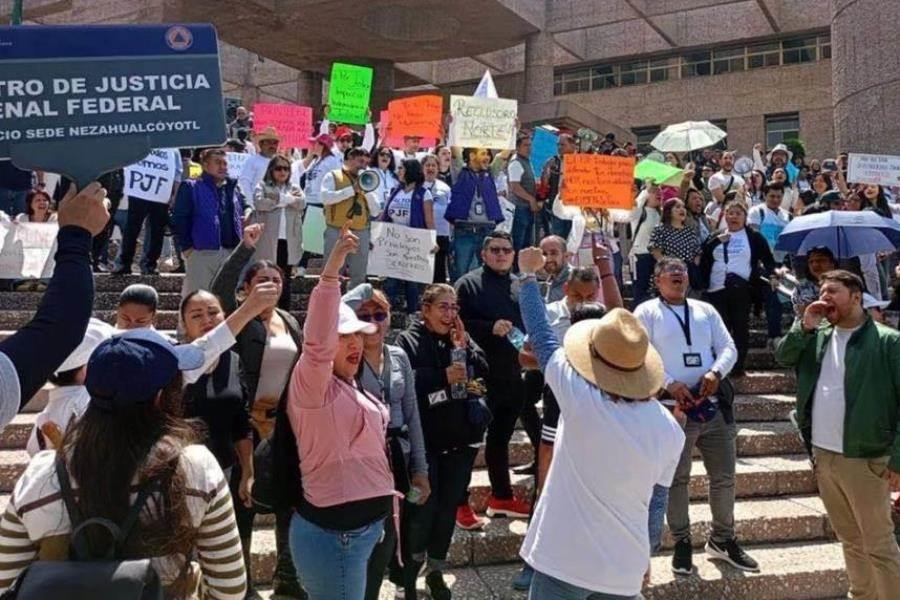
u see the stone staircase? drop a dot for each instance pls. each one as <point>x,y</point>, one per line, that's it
<point>778,516</point>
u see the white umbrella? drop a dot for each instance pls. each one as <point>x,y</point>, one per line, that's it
<point>688,136</point>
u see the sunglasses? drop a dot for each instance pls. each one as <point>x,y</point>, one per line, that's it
<point>281,168</point>
<point>500,250</point>
<point>384,154</point>
<point>377,317</point>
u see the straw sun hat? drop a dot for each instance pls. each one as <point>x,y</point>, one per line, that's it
<point>614,353</point>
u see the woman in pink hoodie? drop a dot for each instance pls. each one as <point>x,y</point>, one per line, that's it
<point>348,488</point>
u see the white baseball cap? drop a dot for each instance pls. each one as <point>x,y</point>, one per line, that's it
<point>869,301</point>
<point>348,322</point>
<point>97,332</point>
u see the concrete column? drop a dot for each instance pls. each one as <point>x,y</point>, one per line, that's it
<point>866,83</point>
<point>309,90</point>
<point>539,67</point>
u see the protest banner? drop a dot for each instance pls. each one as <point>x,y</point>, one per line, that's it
<point>875,169</point>
<point>394,141</point>
<point>27,250</point>
<point>658,172</point>
<point>597,181</point>
<point>418,116</point>
<point>348,93</point>
<point>153,177</point>
<point>293,123</point>
<point>236,162</point>
<point>85,99</point>
<point>543,147</point>
<point>402,252</point>
<point>483,122</point>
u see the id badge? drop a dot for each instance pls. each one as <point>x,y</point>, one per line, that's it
<point>692,359</point>
<point>438,397</point>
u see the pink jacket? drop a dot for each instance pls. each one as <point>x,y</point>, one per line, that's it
<point>340,431</point>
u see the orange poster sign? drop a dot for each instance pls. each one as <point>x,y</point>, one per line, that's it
<point>416,116</point>
<point>597,181</point>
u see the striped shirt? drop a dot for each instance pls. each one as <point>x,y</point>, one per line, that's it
<point>36,526</point>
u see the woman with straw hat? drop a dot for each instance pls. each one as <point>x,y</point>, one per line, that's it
<point>614,441</point>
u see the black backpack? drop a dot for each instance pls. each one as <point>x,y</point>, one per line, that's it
<point>87,577</point>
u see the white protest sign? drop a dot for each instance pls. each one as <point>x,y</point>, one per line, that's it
<point>27,250</point>
<point>236,162</point>
<point>402,252</point>
<point>152,178</point>
<point>876,169</point>
<point>483,122</point>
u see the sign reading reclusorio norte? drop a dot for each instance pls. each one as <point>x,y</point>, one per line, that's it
<point>83,100</point>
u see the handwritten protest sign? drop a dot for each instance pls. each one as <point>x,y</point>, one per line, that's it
<point>396,141</point>
<point>27,249</point>
<point>597,181</point>
<point>85,99</point>
<point>483,122</point>
<point>419,116</point>
<point>153,177</point>
<point>402,252</point>
<point>658,172</point>
<point>236,162</point>
<point>293,123</point>
<point>543,146</point>
<point>876,169</point>
<point>348,93</point>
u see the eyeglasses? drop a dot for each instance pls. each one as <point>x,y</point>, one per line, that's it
<point>281,168</point>
<point>497,250</point>
<point>377,317</point>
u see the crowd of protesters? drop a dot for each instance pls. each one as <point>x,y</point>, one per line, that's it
<point>361,439</point>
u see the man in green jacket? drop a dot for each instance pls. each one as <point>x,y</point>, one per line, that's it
<point>848,410</point>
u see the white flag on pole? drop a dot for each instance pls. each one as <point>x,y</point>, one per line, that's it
<point>486,87</point>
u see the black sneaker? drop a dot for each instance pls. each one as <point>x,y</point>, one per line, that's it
<point>683,559</point>
<point>731,553</point>
<point>437,589</point>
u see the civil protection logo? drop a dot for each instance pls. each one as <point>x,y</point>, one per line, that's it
<point>179,37</point>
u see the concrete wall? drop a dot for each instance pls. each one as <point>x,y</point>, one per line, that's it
<point>742,98</point>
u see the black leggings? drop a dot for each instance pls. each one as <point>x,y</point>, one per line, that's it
<point>733,305</point>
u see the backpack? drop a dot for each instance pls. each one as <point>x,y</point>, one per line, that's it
<point>85,576</point>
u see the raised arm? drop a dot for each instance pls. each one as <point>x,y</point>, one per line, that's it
<point>534,315</point>
<point>225,283</point>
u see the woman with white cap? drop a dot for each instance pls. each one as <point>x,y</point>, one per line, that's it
<point>589,538</point>
<point>347,486</point>
<point>128,444</point>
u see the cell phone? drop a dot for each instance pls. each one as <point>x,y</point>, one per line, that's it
<point>830,165</point>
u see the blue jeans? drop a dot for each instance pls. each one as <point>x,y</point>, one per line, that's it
<point>466,248</point>
<point>544,587</point>
<point>332,564</point>
<point>12,202</point>
<point>522,233</point>
<point>658,502</point>
<point>617,270</point>
<point>644,264</point>
<point>773,313</point>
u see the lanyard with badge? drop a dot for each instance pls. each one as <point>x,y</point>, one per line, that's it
<point>691,358</point>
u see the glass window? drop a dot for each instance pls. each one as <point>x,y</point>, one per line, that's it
<point>603,77</point>
<point>696,64</point>
<point>723,125</point>
<point>782,127</point>
<point>763,55</point>
<point>644,136</point>
<point>633,73</point>
<point>557,86</point>
<point>728,60</point>
<point>576,81</point>
<point>799,50</point>
<point>824,47</point>
<point>661,70</point>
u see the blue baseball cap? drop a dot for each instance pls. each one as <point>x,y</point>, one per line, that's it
<point>132,367</point>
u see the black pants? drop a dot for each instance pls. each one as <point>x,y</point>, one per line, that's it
<point>440,259</point>
<point>100,244</point>
<point>505,399</point>
<point>157,215</point>
<point>533,381</point>
<point>281,259</point>
<point>733,304</point>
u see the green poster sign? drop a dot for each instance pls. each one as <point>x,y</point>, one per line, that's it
<point>348,93</point>
<point>657,171</point>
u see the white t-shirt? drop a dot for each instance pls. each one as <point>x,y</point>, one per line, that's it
<point>10,393</point>
<point>651,220</point>
<point>828,400</point>
<point>514,171</point>
<point>738,260</point>
<point>440,193</point>
<point>720,179</point>
<point>65,405</point>
<point>590,524</point>
<point>769,223</point>
<point>400,207</point>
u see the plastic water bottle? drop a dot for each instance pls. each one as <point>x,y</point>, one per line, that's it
<point>413,495</point>
<point>516,338</point>
<point>458,390</point>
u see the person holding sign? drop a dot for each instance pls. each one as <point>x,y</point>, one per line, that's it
<point>346,202</point>
<point>278,205</point>
<point>474,209</point>
<point>410,204</point>
<point>207,220</point>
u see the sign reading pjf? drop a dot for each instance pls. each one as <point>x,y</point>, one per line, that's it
<point>83,100</point>
<point>597,181</point>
